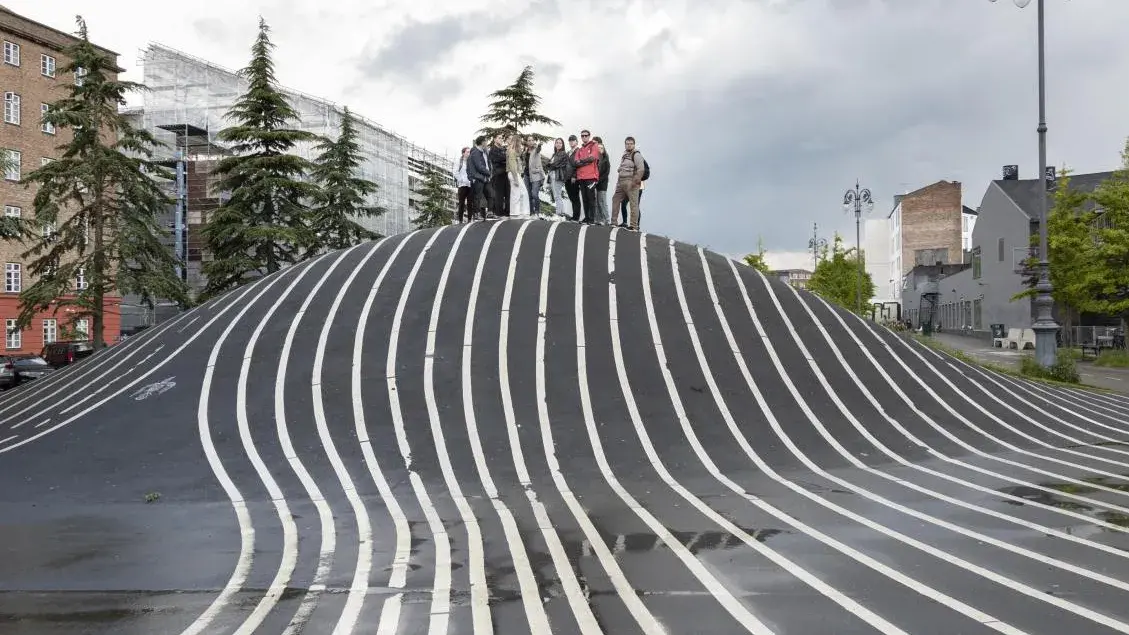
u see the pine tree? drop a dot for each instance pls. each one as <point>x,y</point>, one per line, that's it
<point>516,107</point>
<point>266,223</point>
<point>435,208</point>
<point>836,276</point>
<point>96,206</point>
<point>342,195</point>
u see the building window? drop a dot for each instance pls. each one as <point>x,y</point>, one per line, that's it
<point>50,331</point>
<point>45,161</point>
<point>13,278</point>
<point>13,337</point>
<point>45,126</point>
<point>11,211</point>
<point>978,314</point>
<point>81,329</point>
<point>80,279</point>
<point>47,65</point>
<point>12,53</point>
<point>12,108</point>
<point>79,73</point>
<point>12,171</point>
<point>48,230</point>
<point>1000,246</point>
<point>976,263</point>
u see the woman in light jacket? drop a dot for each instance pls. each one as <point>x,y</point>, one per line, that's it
<point>462,181</point>
<point>534,174</point>
<point>557,167</point>
<point>515,166</point>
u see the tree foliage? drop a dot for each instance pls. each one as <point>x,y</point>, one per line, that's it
<point>342,196</point>
<point>836,276</point>
<point>515,108</point>
<point>757,260</point>
<point>266,222</point>
<point>435,208</point>
<point>96,205</point>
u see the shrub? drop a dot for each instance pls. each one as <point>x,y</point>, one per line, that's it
<point>1113,359</point>
<point>1063,370</point>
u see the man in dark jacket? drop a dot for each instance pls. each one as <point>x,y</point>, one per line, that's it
<point>571,187</point>
<point>500,179</point>
<point>602,184</point>
<point>478,171</point>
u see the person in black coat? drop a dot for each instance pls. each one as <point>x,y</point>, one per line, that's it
<point>478,171</point>
<point>500,179</point>
<point>602,185</point>
<point>572,188</point>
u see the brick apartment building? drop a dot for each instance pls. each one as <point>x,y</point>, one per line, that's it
<point>31,77</point>
<point>927,227</point>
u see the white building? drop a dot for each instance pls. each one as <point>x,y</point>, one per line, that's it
<point>876,249</point>
<point>967,223</point>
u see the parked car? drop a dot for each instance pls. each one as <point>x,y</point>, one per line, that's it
<point>60,354</point>
<point>18,369</point>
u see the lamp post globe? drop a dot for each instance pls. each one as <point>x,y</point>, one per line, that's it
<point>858,200</point>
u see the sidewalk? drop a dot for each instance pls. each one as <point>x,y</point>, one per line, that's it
<point>1116,379</point>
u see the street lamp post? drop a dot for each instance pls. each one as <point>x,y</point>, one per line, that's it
<point>857,200</point>
<point>815,244</point>
<point>1045,327</point>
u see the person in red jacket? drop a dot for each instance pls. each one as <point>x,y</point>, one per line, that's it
<point>588,174</point>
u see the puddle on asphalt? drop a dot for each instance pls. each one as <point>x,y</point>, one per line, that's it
<point>1050,499</point>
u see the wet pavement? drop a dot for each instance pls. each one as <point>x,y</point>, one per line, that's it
<point>531,427</point>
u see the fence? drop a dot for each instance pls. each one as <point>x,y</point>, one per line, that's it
<point>1104,336</point>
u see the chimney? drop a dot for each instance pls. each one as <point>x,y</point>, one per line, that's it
<point>1011,172</point>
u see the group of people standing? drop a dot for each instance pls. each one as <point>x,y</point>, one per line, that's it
<point>503,176</point>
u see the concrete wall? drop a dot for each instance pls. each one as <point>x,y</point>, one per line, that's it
<point>978,302</point>
<point>876,247</point>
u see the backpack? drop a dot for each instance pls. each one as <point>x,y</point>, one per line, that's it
<point>646,167</point>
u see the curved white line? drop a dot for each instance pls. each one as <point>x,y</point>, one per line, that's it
<point>242,515</point>
<point>482,622</point>
<point>146,374</point>
<point>441,588</point>
<point>577,601</point>
<point>643,616</point>
<point>289,558</point>
<point>949,558</point>
<point>390,611</point>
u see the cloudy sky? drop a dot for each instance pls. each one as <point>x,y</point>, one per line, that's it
<point>755,115</point>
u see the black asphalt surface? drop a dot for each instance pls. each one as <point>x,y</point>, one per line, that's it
<point>539,427</point>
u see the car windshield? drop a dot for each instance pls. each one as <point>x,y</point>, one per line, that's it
<point>30,361</point>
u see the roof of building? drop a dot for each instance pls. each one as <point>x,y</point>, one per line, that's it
<point>69,36</point>
<point>1025,192</point>
<point>968,210</point>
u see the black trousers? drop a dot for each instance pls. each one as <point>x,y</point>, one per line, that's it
<point>623,208</point>
<point>501,202</point>
<point>464,198</point>
<point>573,191</point>
<point>478,200</point>
<point>588,196</point>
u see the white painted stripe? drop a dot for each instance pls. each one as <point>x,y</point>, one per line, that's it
<point>14,436</point>
<point>247,289</point>
<point>360,585</point>
<point>577,601</point>
<point>482,623</point>
<point>42,423</point>
<point>441,587</point>
<point>1060,400</point>
<point>190,323</point>
<point>643,616</point>
<point>535,613</point>
<point>770,417</point>
<point>860,465</point>
<point>390,611</point>
<point>242,515</point>
<point>861,385</point>
<point>944,556</point>
<point>714,586</point>
<point>289,557</point>
<point>104,383</point>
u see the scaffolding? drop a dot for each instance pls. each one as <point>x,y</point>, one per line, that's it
<point>187,91</point>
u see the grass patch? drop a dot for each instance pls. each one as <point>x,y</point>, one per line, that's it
<point>1062,377</point>
<point>1064,370</point>
<point>1113,359</point>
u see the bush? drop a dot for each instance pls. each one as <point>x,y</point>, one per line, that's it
<point>1113,359</point>
<point>1064,369</point>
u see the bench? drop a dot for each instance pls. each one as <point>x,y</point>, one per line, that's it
<point>1102,343</point>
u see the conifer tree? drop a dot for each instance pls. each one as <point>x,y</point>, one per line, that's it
<point>95,230</point>
<point>266,223</point>
<point>515,108</point>
<point>342,195</point>
<point>435,208</point>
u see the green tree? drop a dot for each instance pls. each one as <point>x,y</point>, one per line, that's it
<point>757,260</point>
<point>342,195</point>
<point>96,205</point>
<point>515,108</point>
<point>836,276</point>
<point>435,208</point>
<point>1106,281</point>
<point>266,222</point>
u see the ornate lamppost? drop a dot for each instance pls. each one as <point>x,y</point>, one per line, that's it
<point>1045,327</point>
<point>858,200</point>
<point>815,244</point>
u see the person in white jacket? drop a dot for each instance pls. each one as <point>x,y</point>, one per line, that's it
<point>519,195</point>
<point>462,181</point>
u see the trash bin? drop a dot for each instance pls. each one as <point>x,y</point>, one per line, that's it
<point>999,331</point>
<point>927,328</point>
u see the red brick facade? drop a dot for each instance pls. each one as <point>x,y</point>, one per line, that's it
<point>931,220</point>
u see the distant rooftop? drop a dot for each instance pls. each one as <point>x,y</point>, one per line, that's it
<point>1025,192</point>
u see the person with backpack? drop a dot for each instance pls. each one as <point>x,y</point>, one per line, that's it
<point>631,173</point>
